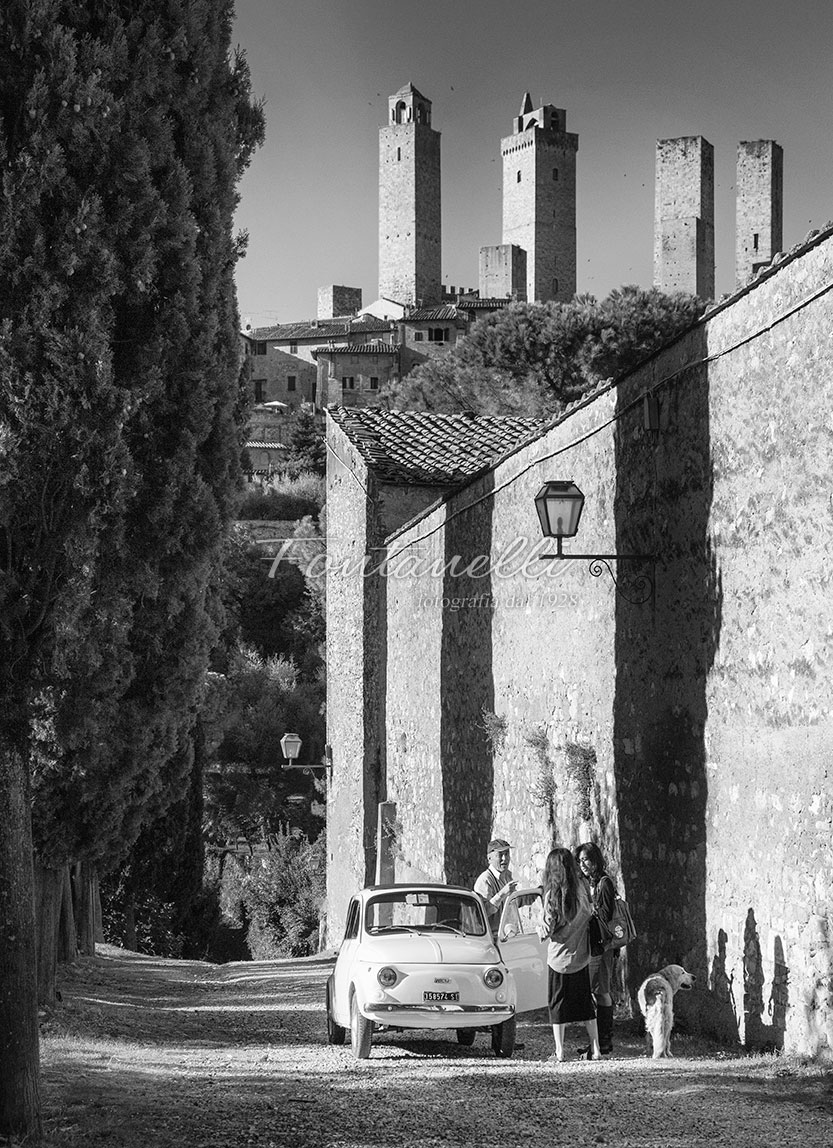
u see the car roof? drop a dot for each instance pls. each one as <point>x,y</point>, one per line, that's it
<point>418,887</point>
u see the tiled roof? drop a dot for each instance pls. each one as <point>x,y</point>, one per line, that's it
<point>254,444</point>
<point>483,304</point>
<point>376,347</point>
<point>320,329</point>
<point>422,447</point>
<point>424,314</point>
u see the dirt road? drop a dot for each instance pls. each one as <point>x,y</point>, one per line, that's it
<point>148,1053</point>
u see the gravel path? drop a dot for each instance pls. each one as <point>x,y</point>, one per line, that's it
<point>147,1053</point>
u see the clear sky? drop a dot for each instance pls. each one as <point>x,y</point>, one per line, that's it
<point>628,72</point>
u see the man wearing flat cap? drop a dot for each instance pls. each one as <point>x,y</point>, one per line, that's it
<point>495,883</point>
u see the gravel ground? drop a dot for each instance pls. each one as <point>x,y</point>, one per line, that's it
<point>146,1053</point>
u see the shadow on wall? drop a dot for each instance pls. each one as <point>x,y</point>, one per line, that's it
<point>757,1032</point>
<point>664,651</point>
<point>466,689</point>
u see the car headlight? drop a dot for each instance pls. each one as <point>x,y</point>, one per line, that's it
<point>387,977</point>
<point>493,978</point>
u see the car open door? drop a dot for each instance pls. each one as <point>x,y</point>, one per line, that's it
<point>522,950</point>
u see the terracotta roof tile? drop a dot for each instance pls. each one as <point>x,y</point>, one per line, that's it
<point>375,347</point>
<point>320,329</point>
<point>423,447</point>
<point>424,314</point>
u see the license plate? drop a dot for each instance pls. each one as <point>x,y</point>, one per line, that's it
<point>441,996</point>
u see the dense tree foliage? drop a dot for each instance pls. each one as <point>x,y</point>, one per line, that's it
<point>124,128</point>
<point>534,358</point>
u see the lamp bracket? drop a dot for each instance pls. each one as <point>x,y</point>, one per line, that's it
<point>326,763</point>
<point>642,584</point>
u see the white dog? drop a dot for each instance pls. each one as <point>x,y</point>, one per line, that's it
<point>656,1002</point>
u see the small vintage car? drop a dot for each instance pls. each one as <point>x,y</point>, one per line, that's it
<point>423,956</point>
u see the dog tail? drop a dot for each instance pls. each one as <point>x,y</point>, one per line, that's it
<point>655,989</point>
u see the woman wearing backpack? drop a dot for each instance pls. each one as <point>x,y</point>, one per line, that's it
<point>591,863</point>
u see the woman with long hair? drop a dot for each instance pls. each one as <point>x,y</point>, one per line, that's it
<point>567,913</point>
<point>592,867</point>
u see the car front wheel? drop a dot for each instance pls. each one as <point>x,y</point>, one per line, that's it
<point>335,1033</point>
<point>361,1032</point>
<point>503,1038</point>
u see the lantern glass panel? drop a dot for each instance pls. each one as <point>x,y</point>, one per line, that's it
<point>559,506</point>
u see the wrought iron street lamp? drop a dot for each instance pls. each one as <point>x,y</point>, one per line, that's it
<point>291,747</point>
<point>559,506</point>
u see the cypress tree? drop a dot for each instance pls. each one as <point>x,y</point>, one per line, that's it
<point>124,128</point>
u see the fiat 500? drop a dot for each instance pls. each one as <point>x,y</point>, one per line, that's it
<point>423,956</point>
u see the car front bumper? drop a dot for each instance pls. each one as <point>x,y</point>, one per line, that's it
<point>449,1015</point>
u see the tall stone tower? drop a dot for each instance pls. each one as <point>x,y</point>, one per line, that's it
<point>539,199</point>
<point>684,216</point>
<point>409,202</point>
<point>759,207</point>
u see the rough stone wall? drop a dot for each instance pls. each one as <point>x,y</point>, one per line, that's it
<point>334,367</point>
<point>503,272</point>
<point>360,513</point>
<point>690,735</point>
<point>410,226</point>
<point>334,301</point>
<point>272,371</point>
<point>759,185</point>
<point>684,216</point>
<point>539,208</point>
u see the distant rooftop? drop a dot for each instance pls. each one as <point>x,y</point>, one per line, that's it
<point>320,328</point>
<point>436,449</point>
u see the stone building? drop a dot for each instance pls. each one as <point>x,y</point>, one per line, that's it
<point>503,272</point>
<point>759,214</point>
<point>684,216</point>
<point>410,224</point>
<point>487,692</point>
<point>539,199</point>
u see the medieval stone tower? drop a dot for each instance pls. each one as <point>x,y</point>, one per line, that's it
<point>759,207</point>
<point>684,216</point>
<point>409,201</point>
<point>539,199</point>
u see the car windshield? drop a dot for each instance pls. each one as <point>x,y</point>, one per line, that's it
<point>424,910</point>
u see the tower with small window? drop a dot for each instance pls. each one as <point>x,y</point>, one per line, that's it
<point>409,202</point>
<point>759,207</point>
<point>539,199</point>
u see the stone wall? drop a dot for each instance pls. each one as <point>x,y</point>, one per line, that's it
<point>691,734</point>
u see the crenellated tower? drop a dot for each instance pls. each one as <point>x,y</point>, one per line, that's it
<point>539,199</point>
<point>410,247</point>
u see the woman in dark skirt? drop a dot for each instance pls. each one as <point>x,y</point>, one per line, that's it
<point>567,913</point>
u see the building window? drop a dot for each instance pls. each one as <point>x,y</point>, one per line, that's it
<point>374,382</point>
<point>418,336</point>
<point>291,382</point>
<point>555,286</point>
<point>398,154</point>
<point>755,239</point>
<point>293,348</point>
<point>518,177</point>
<point>260,347</point>
<point>260,390</point>
<point>438,334</point>
<point>348,382</point>
<point>555,174</point>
